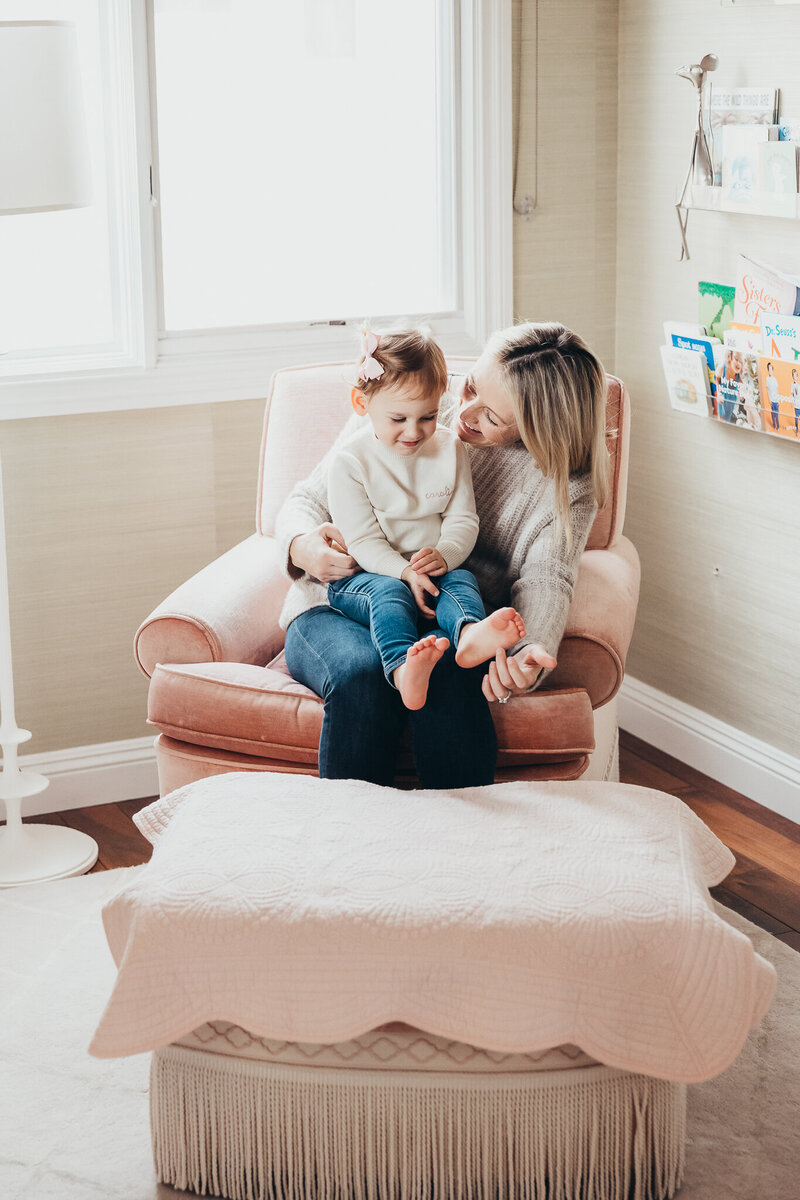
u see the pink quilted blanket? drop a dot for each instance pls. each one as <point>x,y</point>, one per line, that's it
<point>514,917</point>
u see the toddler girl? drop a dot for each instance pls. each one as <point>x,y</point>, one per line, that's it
<point>400,491</point>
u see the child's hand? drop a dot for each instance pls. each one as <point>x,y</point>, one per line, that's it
<point>420,586</point>
<point>428,561</point>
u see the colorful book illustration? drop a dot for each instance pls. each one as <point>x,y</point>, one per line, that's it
<point>779,382</point>
<point>743,337</point>
<point>777,168</point>
<point>686,373</point>
<point>760,290</point>
<point>716,307</point>
<point>738,106</point>
<point>704,346</point>
<point>780,337</point>
<point>740,159</point>
<point>738,399</point>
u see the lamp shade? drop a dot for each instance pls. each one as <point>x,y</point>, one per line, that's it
<point>44,154</point>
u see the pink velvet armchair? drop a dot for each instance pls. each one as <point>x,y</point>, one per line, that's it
<point>221,695</point>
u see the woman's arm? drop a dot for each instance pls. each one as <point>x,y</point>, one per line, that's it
<point>542,596</point>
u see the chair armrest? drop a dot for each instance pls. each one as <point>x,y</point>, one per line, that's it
<point>600,622</point>
<point>228,612</point>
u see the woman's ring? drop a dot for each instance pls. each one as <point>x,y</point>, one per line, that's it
<point>504,699</point>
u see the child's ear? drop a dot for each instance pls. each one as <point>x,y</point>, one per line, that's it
<point>359,402</point>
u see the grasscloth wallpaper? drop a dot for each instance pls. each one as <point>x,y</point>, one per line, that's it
<point>713,510</point>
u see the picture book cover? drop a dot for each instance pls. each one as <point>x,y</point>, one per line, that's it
<point>740,159</point>
<point>779,383</point>
<point>777,168</point>
<point>686,373</point>
<point>743,337</point>
<point>704,346</point>
<point>738,397</point>
<point>762,289</point>
<point>780,337</point>
<point>716,302</point>
<point>687,328</point>
<point>738,106</point>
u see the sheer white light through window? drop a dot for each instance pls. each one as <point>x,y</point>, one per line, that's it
<point>303,169</point>
<point>55,288</point>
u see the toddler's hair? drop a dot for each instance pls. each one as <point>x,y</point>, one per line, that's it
<point>404,352</point>
<point>558,389</point>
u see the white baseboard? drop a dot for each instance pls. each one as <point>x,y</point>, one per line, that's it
<point>770,777</point>
<point>89,775</point>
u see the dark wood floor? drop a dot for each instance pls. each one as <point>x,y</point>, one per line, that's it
<point>764,886</point>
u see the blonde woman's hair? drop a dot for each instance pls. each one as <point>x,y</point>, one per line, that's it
<point>403,352</point>
<point>558,391</point>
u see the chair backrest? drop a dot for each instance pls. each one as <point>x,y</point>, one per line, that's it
<point>307,407</point>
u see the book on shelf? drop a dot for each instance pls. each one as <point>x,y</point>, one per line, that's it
<point>685,328</point>
<point>777,168</point>
<point>738,106</point>
<point>743,337</point>
<point>779,382</point>
<point>738,400</point>
<point>780,337</point>
<point>789,129</point>
<point>741,146</point>
<point>715,306</point>
<point>686,373</point>
<point>704,346</point>
<point>761,289</point>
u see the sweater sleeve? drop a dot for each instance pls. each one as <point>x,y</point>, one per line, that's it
<point>543,592</point>
<point>354,515</point>
<point>459,530</point>
<point>307,505</point>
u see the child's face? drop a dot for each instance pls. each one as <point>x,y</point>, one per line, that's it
<point>403,417</point>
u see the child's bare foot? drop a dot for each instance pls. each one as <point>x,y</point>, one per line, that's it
<point>481,640</point>
<point>411,677</point>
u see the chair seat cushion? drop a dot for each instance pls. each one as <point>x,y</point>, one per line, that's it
<point>263,711</point>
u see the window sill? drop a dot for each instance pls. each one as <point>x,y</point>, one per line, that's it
<point>200,377</point>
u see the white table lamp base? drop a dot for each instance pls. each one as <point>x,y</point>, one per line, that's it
<point>39,853</point>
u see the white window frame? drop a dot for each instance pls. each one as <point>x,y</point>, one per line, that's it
<point>211,366</point>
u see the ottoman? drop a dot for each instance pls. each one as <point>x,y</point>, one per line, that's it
<point>398,1113</point>
<point>352,991</point>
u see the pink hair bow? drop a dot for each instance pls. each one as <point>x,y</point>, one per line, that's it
<point>370,367</point>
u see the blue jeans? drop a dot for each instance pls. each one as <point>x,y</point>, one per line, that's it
<point>452,738</point>
<point>387,607</point>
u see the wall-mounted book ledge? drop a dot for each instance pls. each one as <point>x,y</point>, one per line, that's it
<point>731,199</point>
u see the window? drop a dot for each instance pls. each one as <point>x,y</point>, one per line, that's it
<point>264,173</point>
<point>304,165</point>
<point>70,295</point>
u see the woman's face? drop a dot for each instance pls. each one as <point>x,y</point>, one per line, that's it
<point>485,413</point>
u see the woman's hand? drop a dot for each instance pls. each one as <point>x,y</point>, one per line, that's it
<point>512,676</point>
<point>420,586</point>
<point>323,554</point>
<point>428,561</point>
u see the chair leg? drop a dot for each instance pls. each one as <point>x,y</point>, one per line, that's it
<point>604,759</point>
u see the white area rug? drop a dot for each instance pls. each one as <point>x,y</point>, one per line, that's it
<point>77,1128</point>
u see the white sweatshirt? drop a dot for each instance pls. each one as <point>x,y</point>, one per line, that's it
<point>389,505</point>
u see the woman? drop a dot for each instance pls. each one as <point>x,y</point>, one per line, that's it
<point>532,414</point>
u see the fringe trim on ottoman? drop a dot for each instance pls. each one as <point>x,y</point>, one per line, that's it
<point>254,1131</point>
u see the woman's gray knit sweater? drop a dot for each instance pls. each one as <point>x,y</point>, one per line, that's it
<point>518,559</point>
